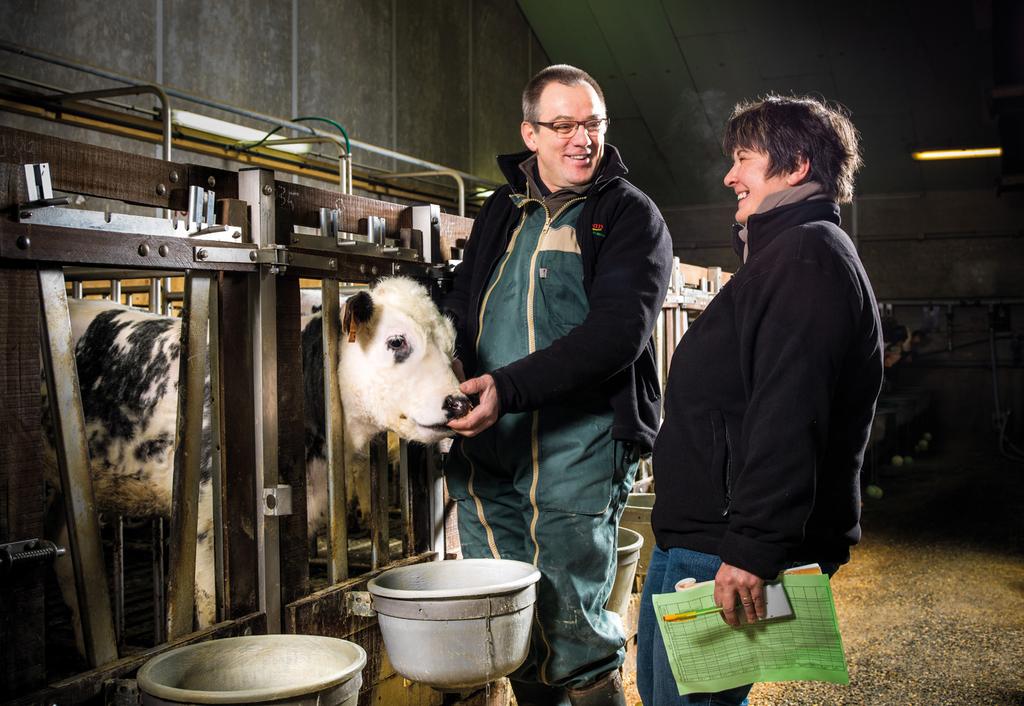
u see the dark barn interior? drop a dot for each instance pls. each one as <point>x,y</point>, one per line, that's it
<point>424,95</point>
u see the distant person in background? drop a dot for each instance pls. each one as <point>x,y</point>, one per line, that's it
<point>769,404</point>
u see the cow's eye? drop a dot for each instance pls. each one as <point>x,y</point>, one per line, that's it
<point>396,343</point>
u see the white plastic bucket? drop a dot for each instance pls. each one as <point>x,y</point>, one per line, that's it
<point>627,555</point>
<point>454,625</point>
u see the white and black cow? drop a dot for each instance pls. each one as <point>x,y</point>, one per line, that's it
<point>394,373</point>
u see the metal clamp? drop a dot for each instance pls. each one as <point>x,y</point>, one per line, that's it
<point>39,188</point>
<point>29,551</point>
<point>277,501</point>
<point>359,603</point>
<point>201,206</point>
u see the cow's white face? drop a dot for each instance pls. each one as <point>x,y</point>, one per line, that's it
<point>397,373</point>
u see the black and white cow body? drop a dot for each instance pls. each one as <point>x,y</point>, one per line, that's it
<point>394,373</point>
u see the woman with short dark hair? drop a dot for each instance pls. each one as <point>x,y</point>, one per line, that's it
<point>769,404</point>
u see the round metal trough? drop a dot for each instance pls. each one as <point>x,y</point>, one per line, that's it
<point>292,670</point>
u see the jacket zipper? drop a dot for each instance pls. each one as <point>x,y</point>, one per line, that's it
<point>728,468</point>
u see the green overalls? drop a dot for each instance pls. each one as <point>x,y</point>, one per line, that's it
<point>547,487</point>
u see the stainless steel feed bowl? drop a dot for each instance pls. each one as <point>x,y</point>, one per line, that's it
<point>456,624</point>
<point>298,670</point>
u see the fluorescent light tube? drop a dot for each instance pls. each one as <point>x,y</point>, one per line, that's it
<point>231,131</point>
<point>931,155</point>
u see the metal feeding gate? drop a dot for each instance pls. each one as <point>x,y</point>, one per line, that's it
<point>242,248</point>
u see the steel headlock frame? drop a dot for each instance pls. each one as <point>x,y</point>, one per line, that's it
<point>213,259</point>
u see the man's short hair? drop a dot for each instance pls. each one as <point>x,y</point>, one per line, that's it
<point>560,73</point>
<point>791,128</point>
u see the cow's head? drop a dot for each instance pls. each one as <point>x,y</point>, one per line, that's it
<point>396,364</point>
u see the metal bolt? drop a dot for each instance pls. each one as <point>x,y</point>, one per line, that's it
<point>398,268</point>
<point>173,177</point>
<point>362,269</point>
<point>332,263</point>
<point>211,182</point>
<point>201,254</point>
<point>434,221</point>
<point>252,255</point>
<point>143,250</point>
<point>163,250</point>
<point>23,242</point>
<point>161,189</point>
<point>268,189</point>
<point>373,270</point>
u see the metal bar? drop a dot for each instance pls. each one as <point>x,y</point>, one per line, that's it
<point>159,597</point>
<point>73,461</point>
<point>119,581</point>
<point>154,296</point>
<point>188,453</point>
<point>305,129</point>
<point>378,469</point>
<point>256,187</point>
<point>216,458</point>
<point>137,89</point>
<point>435,503</point>
<point>334,434</point>
<point>460,183</point>
<point>405,498</point>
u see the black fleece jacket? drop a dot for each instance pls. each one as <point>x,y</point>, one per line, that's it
<point>627,259</point>
<point>769,404</point>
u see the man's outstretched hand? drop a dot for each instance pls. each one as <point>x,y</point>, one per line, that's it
<point>485,413</point>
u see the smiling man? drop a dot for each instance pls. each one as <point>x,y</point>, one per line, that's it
<point>769,404</point>
<point>562,281</point>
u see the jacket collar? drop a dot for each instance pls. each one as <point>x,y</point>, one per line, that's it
<point>762,228</point>
<point>612,167</point>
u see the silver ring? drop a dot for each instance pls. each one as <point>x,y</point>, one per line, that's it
<point>746,602</point>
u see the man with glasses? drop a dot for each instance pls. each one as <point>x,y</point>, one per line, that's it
<point>556,298</point>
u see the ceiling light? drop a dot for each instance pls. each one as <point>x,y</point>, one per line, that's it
<point>232,131</point>
<point>931,155</point>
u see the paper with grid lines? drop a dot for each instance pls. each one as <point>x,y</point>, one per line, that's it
<point>708,655</point>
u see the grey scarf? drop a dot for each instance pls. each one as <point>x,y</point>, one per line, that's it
<point>810,191</point>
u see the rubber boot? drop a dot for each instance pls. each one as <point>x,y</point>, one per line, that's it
<point>606,691</point>
<point>536,694</point>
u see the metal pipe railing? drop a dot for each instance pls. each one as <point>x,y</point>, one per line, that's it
<point>137,89</point>
<point>460,183</point>
<point>305,129</point>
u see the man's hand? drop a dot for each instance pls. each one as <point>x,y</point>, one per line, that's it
<point>484,414</point>
<point>737,590</point>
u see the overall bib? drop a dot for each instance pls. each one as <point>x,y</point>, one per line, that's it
<point>547,487</point>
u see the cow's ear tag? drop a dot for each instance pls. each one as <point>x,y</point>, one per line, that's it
<point>348,324</point>
<point>358,310</point>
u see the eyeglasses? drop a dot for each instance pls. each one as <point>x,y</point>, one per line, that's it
<point>568,128</point>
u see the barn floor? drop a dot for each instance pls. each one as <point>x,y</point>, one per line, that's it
<point>931,608</point>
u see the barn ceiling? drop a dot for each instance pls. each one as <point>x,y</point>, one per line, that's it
<point>914,74</point>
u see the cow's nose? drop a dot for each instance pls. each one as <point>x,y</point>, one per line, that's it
<point>456,406</point>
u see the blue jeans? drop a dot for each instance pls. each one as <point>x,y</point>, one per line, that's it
<point>654,678</point>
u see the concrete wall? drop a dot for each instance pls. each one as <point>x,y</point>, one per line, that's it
<point>940,245</point>
<point>435,79</point>
<point>949,244</point>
